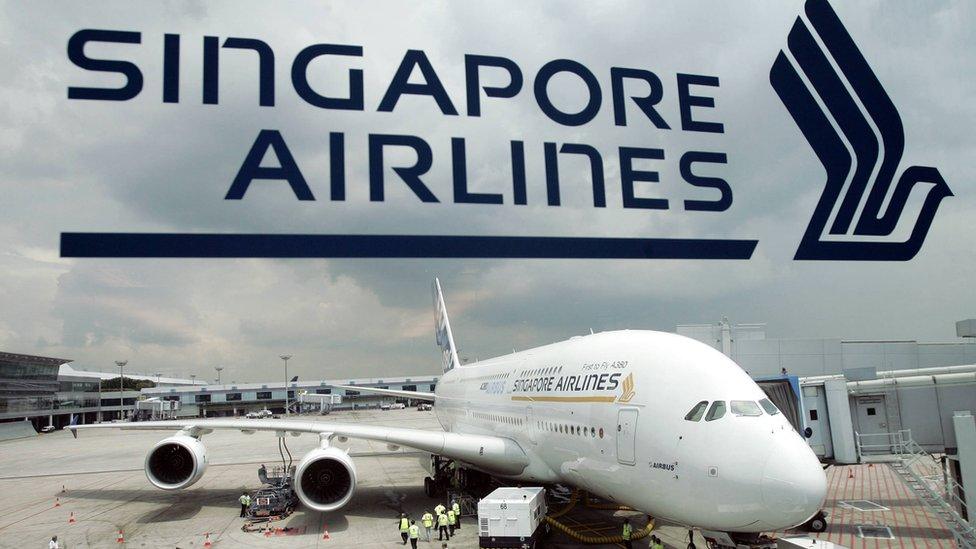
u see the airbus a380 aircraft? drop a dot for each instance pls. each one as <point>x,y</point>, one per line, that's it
<point>656,421</point>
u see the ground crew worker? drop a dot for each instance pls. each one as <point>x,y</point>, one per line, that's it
<point>245,500</point>
<point>451,520</point>
<point>457,514</point>
<point>627,533</point>
<point>53,544</point>
<point>439,510</point>
<point>442,523</point>
<point>428,520</point>
<point>404,526</point>
<point>656,543</point>
<point>414,532</point>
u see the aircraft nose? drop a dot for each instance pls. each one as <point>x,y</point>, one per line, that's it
<point>794,485</point>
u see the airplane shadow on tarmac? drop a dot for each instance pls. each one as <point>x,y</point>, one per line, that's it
<point>380,502</point>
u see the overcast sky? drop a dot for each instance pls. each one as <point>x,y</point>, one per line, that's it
<point>142,165</point>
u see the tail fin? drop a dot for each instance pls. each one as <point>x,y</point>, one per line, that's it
<point>442,330</point>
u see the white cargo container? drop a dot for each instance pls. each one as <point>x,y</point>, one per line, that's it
<point>512,517</point>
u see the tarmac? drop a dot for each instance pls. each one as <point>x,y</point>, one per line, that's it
<point>98,480</point>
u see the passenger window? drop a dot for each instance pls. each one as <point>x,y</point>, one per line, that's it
<point>696,413</point>
<point>716,411</point>
<point>769,407</point>
<point>745,408</point>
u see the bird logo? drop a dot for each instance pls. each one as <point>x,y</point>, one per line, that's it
<point>628,389</point>
<point>849,120</point>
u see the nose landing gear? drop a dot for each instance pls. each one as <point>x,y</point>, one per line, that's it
<point>816,524</point>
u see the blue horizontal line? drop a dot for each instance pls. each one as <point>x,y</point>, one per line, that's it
<point>396,246</point>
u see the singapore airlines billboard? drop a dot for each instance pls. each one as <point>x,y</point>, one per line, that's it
<point>661,130</point>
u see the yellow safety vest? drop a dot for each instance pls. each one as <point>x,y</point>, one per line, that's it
<point>450,517</point>
<point>414,531</point>
<point>428,520</point>
<point>456,508</point>
<point>244,500</point>
<point>439,509</point>
<point>628,529</point>
<point>404,525</point>
<point>442,520</point>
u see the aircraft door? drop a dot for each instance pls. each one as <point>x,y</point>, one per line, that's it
<point>627,436</point>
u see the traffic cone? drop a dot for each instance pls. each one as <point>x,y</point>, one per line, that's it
<point>71,518</point>
<point>325,534</point>
<point>870,465</point>
<point>121,538</point>
<point>57,502</point>
<point>63,489</point>
<point>850,473</point>
<point>206,540</point>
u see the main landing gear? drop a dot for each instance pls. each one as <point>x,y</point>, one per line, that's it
<point>448,476</point>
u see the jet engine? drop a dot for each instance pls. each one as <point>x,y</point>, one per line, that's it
<point>325,479</point>
<point>176,462</point>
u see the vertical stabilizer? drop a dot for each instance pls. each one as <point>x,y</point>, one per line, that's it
<point>442,330</point>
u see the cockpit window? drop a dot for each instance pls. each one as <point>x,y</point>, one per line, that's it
<point>769,407</point>
<point>745,408</point>
<point>716,411</point>
<point>696,413</point>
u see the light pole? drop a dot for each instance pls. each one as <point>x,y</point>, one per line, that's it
<point>285,358</point>
<point>218,368</point>
<point>157,378</point>
<point>121,364</point>
<point>193,379</point>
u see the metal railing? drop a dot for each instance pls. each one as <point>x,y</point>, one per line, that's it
<point>924,475</point>
<point>881,443</point>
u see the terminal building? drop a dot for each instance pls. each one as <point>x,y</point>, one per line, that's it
<point>48,391</point>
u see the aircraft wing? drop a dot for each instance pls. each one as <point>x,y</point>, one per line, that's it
<point>491,453</point>
<point>390,392</point>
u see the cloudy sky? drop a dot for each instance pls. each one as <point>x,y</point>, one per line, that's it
<point>142,165</point>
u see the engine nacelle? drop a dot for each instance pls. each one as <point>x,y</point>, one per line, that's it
<point>176,462</point>
<point>325,479</point>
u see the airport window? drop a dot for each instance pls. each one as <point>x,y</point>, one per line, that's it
<point>264,395</point>
<point>323,391</point>
<point>291,394</point>
<point>696,413</point>
<point>745,408</point>
<point>352,393</point>
<point>232,396</point>
<point>202,398</point>
<point>871,412</point>
<point>716,411</point>
<point>433,386</point>
<point>769,407</point>
<point>813,415</point>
